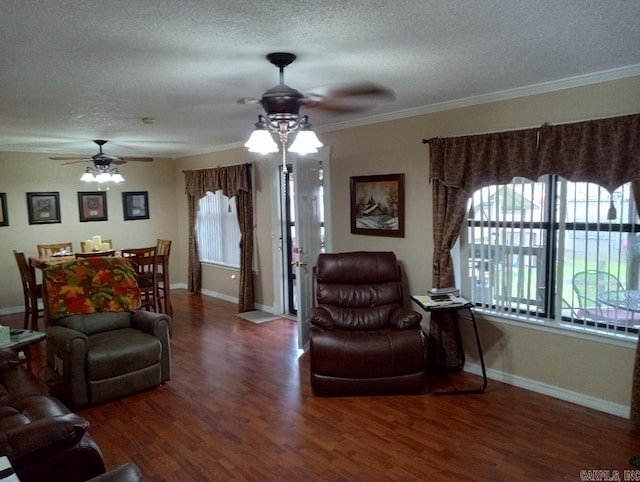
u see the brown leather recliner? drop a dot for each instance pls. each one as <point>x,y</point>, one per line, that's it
<point>363,341</point>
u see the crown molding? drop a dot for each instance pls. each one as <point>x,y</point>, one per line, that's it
<point>544,87</point>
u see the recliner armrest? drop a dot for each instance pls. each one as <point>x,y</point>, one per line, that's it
<point>321,318</point>
<point>152,323</point>
<point>38,439</point>
<point>61,337</point>
<point>403,318</point>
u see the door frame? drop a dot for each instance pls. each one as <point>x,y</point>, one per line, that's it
<point>278,221</point>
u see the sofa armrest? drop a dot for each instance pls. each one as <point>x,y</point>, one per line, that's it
<point>33,441</point>
<point>403,318</point>
<point>321,318</point>
<point>158,325</point>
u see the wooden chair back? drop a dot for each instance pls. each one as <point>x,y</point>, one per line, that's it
<point>162,275</point>
<point>146,264</point>
<point>31,290</point>
<point>45,250</point>
<point>164,247</point>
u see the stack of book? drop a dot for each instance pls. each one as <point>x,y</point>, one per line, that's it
<point>440,298</point>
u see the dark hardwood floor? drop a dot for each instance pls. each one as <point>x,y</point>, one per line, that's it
<point>239,407</point>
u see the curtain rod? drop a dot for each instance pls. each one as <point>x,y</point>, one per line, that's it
<point>250,164</point>
<point>545,124</point>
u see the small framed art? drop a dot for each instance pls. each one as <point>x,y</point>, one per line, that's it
<point>4,215</point>
<point>377,205</point>
<point>92,206</point>
<point>136,205</point>
<point>43,207</point>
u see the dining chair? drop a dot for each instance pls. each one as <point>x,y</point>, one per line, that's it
<point>164,299</point>
<point>96,254</point>
<point>32,292</point>
<point>87,246</point>
<point>146,264</point>
<point>45,250</point>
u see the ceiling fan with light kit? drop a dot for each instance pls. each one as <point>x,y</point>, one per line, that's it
<point>282,110</point>
<point>101,171</point>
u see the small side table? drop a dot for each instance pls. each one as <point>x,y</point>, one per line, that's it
<point>455,307</point>
<point>23,340</point>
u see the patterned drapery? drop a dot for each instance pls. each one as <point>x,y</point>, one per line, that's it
<point>604,151</point>
<point>232,181</point>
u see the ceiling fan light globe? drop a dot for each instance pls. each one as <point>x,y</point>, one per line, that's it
<point>117,177</point>
<point>88,177</point>
<point>261,142</point>
<point>305,142</point>
<point>103,177</point>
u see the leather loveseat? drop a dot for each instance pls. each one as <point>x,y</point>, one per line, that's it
<point>43,440</point>
<point>363,341</point>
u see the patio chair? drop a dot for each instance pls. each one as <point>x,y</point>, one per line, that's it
<point>588,285</point>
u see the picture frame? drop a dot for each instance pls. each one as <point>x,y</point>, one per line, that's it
<point>92,206</point>
<point>4,215</point>
<point>43,207</point>
<point>377,205</point>
<point>135,205</point>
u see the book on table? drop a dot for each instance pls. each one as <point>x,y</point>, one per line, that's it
<point>440,298</point>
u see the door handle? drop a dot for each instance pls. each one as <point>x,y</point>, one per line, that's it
<point>299,263</point>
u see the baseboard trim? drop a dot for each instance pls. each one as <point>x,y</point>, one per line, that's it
<point>552,391</point>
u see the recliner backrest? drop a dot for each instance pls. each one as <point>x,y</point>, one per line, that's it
<point>90,285</point>
<point>360,290</point>
<point>93,323</point>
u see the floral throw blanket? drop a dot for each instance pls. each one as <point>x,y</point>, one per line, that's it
<point>90,285</point>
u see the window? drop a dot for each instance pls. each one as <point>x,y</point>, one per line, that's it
<point>557,251</point>
<point>218,230</point>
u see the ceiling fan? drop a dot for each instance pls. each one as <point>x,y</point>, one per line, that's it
<point>101,159</point>
<point>283,100</point>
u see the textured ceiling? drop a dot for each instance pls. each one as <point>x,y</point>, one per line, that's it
<point>76,70</point>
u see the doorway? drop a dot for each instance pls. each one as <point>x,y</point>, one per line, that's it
<point>303,228</point>
<point>289,237</point>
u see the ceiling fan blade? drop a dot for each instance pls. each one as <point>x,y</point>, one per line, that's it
<point>75,162</point>
<point>124,160</point>
<point>70,158</point>
<point>365,89</point>
<point>335,106</point>
<point>248,100</point>
<point>349,98</point>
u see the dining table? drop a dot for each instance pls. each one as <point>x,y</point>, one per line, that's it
<point>166,307</point>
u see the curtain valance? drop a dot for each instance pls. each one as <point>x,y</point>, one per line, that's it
<point>605,152</point>
<point>230,179</point>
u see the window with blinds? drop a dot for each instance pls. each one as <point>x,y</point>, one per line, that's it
<point>562,252</point>
<point>217,230</point>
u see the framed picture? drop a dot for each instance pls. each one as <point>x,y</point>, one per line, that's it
<point>43,207</point>
<point>136,205</point>
<point>377,205</point>
<point>93,206</point>
<point>4,217</point>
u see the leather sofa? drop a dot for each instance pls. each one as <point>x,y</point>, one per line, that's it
<point>363,340</point>
<point>43,440</point>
